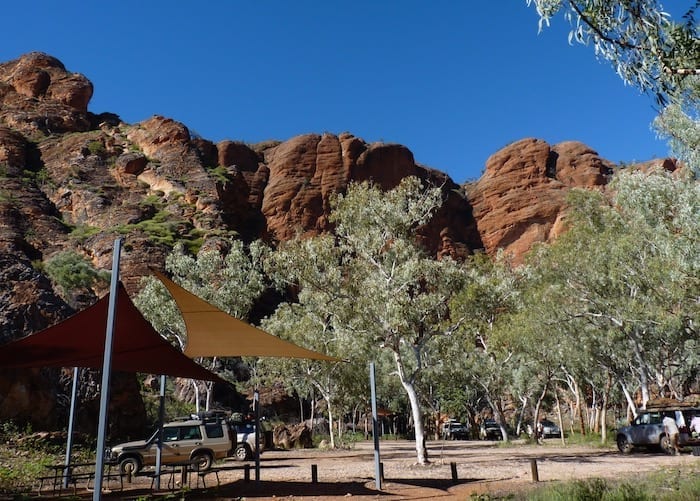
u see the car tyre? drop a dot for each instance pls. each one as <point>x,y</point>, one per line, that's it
<point>624,445</point>
<point>129,465</point>
<point>243,452</point>
<point>666,446</point>
<point>204,460</point>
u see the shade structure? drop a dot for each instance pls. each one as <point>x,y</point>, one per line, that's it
<point>79,341</point>
<point>214,333</point>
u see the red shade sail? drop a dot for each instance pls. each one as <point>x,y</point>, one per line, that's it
<point>79,341</point>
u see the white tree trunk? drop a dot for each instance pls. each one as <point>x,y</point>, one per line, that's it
<point>195,387</point>
<point>561,423</point>
<point>417,413</point>
<point>641,370</point>
<point>330,421</point>
<point>630,402</point>
<point>518,428</point>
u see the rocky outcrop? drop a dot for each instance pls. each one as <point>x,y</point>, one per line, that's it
<point>306,171</point>
<point>520,199</point>
<point>296,436</point>
<point>38,96</point>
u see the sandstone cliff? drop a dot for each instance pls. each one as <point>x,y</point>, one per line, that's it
<point>73,180</point>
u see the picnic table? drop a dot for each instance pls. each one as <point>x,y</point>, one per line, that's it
<point>63,475</point>
<point>171,470</point>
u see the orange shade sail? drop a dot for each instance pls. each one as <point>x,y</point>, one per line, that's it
<point>79,341</point>
<point>212,332</point>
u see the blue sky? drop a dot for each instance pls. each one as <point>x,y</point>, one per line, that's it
<point>454,81</point>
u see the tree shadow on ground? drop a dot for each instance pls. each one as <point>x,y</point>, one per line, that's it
<point>284,488</point>
<point>442,484</point>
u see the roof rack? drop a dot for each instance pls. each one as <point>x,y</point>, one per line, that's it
<point>671,404</point>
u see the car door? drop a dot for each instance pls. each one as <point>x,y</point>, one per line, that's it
<point>190,438</point>
<point>646,429</point>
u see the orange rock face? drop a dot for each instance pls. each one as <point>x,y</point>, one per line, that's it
<point>520,199</point>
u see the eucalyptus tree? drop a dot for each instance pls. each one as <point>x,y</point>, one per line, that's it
<point>229,277</point>
<point>650,51</point>
<point>378,288</point>
<point>490,293</point>
<point>321,317</point>
<point>624,281</point>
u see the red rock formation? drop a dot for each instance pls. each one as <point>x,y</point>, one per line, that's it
<point>520,199</point>
<point>38,95</point>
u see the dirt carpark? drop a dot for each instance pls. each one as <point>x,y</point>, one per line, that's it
<point>480,467</point>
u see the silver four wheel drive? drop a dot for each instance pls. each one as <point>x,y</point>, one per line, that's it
<point>647,429</point>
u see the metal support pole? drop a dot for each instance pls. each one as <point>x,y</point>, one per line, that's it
<point>71,422</point>
<point>256,410</point>
<point>106,372</point>
<point>161,418</point>
<point>375,429</point>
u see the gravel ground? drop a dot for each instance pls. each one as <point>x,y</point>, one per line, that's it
<point>480,467</point>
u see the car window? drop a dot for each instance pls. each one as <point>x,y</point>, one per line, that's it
<point>170,434</point>
<point>214,430</point>
<point>246,428</point>
<point>190,433</point>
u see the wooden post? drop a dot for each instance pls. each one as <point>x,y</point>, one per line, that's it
<point>314,474</point>
<point>533,467</point>
<point>453,468</point>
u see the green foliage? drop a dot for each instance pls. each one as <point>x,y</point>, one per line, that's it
<point>591,440</point>
<point>23,458</point>
<point>648,50</point>
<point>154,200</point>
<point>71,272</point>
<point>231,279</point>
<point>680,484</point>
<point>593,489</point>
<point>82,232</point>
<point>40,177</point>
<point>368,292</point>
<point>166,229</point>
<point>6,196</point>
<point>96,147</point>
<point>220,173</point>
<point>630,297</point>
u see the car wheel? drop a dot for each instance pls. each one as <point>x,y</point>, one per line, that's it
<point>129,465</point>
<point>665,445</point>
<point>242,452</point>
<point>624,445</point>
<point>203,460</point>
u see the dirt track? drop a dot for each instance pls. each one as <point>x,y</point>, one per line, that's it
<point>480,466</point>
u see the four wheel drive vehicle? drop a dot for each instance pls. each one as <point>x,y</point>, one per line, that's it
<point>202,439</point>
<point>549,429</point>
<point>245,440</point>
<point>490,430</point>
<point>647,429</point>
<point>453,430</point>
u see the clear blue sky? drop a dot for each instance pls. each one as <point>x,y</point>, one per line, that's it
<point>454,81</point>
